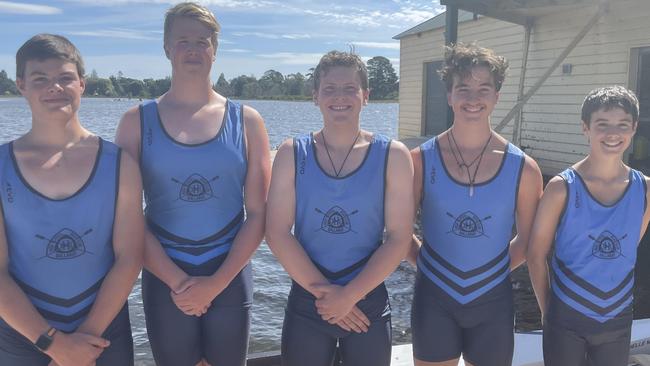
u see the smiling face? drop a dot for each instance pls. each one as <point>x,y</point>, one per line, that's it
<point>190,46</point>
<point>52,87</point>
<point>473,97</point>
<point>610,131</point>
<point>340,95</point>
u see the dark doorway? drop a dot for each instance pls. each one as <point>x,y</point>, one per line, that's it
<point>436,114</point>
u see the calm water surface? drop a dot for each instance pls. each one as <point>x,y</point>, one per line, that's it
<point>283,120</point>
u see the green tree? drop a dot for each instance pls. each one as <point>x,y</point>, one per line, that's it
<point>99,87</point>
<point>382,78</point>
<point>272,83</point>
<point>237,84</point>
<point>223,87</point>
<point>293,84</point>
<point>7,86</point>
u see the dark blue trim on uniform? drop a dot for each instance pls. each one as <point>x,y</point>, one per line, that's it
<point>521,173</point>
<point>424,180</point>
<point>344,272</point>
<point>383,202</point>
<point>645,196</point>
<point>141,111</point>
<point>591,288</point>
<point>158,230</point>
<point>602,311</point>
<point>223,123</point>
<point>100,143</point>
<point>57,300</point>
<point>503,161</point>
<point>471,288</point>
<point>295,164</point>
<point>627,188</point>
<point>313,146</point>
<point>207,264</point>
<point>244,140</point>
<point>465,274</point>
<point>566,199</point>
<point>67,319</point>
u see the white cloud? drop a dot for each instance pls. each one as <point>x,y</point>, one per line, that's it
<point>117,33</point>
<point>291,58</point>
<point>271,35</point>
<point>384,45</point>
<point>22,8</point>
<point>235,50</point>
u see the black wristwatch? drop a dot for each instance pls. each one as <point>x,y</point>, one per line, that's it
<point>45,340</point>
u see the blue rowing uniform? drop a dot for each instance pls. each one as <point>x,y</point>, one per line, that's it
<point>340,220</point>
<point>193,208</point>
<point>595,253</point>
<point>466,238</point>
<point>60,250</point>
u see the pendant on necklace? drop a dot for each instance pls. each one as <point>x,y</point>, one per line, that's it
<point>471,190</point>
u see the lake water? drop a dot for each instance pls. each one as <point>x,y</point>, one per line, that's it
<point>283,120</point>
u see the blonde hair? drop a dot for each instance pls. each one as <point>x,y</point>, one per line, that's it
<point>193,11</point>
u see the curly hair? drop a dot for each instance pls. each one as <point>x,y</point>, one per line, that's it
<point>609,97</point>
<point>462,57</point>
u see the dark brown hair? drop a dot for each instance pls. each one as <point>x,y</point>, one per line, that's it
<point>45,46</point>
<point>462,57</point>
<point>610,97</point>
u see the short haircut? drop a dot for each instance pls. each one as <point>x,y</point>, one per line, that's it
<point>192,11</point>
<point>610,97</point>
<point>47,46</point>
<point>462,57</point>
<point>334,59</point>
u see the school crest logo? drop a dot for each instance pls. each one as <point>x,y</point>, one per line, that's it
<point>468,225</point>
<point>196,188</point>
<point>336,220</point>
<point>65,244</point>
<point>607,245</point>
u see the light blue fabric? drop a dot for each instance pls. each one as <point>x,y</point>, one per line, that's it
<point>340,220</point>
<point>194,193</point>
<point>61,250</point>
<point>466,238</point>
<point>596,247</point>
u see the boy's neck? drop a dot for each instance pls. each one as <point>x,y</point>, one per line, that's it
<point>53,133</point>
<point>191,90</point>
<point>603,168</point>
<point>471,135</point>
<point>340,136</point>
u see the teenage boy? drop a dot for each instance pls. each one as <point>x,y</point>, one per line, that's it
<point>473,187</point>
<point>348,194</point>
<point>594,213</point>
<point>71,225</point>
<point>206,168</point>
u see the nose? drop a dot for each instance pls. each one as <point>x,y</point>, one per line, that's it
<point>54,87</point>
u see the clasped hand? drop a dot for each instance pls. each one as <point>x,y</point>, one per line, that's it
<point>76,349</point>
<point>336,307</point>
<point>194,295</point>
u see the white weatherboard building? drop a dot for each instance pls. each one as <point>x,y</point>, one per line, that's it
<point>558,50</point>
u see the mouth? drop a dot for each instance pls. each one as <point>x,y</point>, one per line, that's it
<point>473,109</point>
<point>612,145</point>
<point>340,108</point>
<point>56,100</point>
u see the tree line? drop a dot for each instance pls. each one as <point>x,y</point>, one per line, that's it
<point>272,84</point>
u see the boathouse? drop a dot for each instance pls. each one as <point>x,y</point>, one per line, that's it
<point>558,51</point>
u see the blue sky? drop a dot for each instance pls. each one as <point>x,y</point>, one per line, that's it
<point>257,35</point>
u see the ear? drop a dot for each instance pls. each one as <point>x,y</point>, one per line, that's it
<point>366,95</point>
<point>314,96</point>
<point>20,84</point>
<point>82,83</point>
<point>166,51</point>
<point>449,98</point>
<point>497,97</point>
